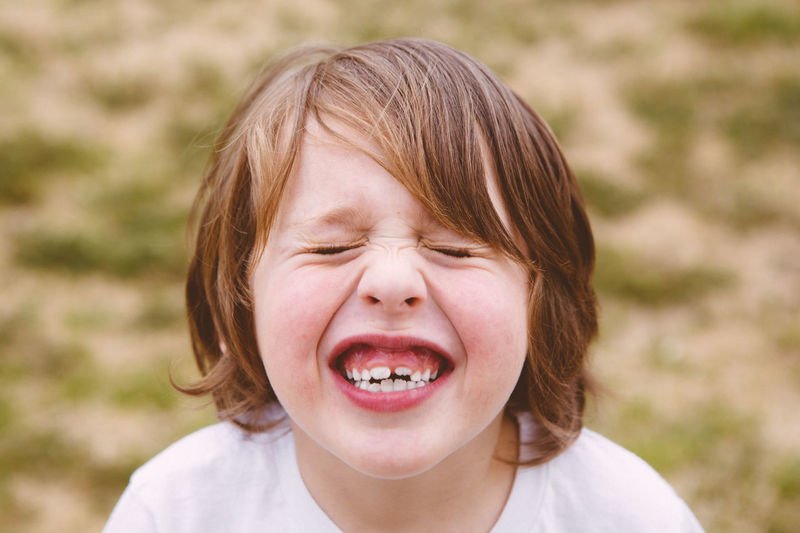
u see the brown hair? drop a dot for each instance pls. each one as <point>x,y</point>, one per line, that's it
<point>435,115</point>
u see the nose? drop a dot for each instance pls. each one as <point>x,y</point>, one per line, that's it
<point>393,283</point>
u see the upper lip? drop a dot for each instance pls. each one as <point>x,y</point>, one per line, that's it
<point>387,342</point>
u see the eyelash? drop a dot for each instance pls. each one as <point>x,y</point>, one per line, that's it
<point>330,250</point>
<point>457,253</point>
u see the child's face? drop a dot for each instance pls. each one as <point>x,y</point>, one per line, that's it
<point>356,275</point>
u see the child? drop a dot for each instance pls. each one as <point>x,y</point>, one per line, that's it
<point>390,302</point>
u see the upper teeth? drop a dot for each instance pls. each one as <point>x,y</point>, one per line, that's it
<point>379,372</point>
<point>382,375</point>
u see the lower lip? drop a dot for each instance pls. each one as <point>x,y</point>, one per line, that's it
<point>388,402</point>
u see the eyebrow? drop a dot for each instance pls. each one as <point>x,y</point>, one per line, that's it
<point>346,217</point>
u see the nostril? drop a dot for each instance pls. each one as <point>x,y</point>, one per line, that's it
<point>411,301</point>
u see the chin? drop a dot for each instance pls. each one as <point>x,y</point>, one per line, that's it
<point>393,462</point>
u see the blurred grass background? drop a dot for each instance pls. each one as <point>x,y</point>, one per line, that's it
<point>681,119</point>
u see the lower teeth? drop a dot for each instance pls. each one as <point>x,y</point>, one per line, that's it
<point>388,385</point>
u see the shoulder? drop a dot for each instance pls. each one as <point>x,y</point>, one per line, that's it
<point>217,476</point>
<point>613,489</point>
<point>603,462</point>
<point>222,453</point>
<point>222,446</point>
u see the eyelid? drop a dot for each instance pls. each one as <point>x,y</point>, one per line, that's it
<point>333,249</point>
<point>458,253</point>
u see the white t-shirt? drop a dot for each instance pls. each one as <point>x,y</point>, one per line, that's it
<point>221,479</point>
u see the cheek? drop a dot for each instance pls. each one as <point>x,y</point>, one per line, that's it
<point>491,320</point>
<point>291,315</point>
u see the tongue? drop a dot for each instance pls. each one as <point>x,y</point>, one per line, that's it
<point>370,357</point>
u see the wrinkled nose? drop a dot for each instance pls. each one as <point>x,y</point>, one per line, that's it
<point>393,283</point>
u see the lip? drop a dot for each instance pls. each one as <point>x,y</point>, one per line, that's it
<point>388,401</point>
<point>387,342</point>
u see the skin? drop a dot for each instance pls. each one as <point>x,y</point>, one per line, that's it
<point>352,252</point>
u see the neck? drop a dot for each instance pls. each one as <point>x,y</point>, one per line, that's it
<point>465,492</point>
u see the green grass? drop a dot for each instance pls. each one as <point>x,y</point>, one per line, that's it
<point>787,335</point>
<point>189,132</point>
<point>81,383</point>
<point>623,275</point>
<point>606,198</point>
<point>743,24</point>
<point>161,311</point>
<point>670,109</point>
<point>117,95</point>
<point>767,119</point>
<point>757,117</point>
<point>7,415</point>
<point>717,447</point>
<point>206,81</point>
<point>128,227</point>
<point>785,514</point>
<point>15,323</point>
<point>116,254</point>
<point>563,121</point>
<point>143,389</point>
<point>786,478</point>
<point>82,319</point>
<point>31,158</point>
<point>471,26</point>
<point>23,53</point>
<point>45,454</point>
<point>56,359</point>
<point>669,354</point>
<point>666,105</point>
<point>12,511</point>
<point>743,209</point>
<point>39,452</point>
<point>704,436</point>
<point>103,483</point>
<point>136,231</point>
<point>77,378</point>
<point>516,22</point>
<point>190,139</point>
<point>141,206</point>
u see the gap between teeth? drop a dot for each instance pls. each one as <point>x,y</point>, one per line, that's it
<point>384,383</point>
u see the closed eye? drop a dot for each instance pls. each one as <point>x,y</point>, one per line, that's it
<point>453,252</point>
<point>335,249</point>
<point>331,249</point>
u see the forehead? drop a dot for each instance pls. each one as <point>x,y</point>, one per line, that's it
<point>335,162</point>
<point>338,181</point>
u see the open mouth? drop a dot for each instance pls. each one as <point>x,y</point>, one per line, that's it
<point>380,370</point>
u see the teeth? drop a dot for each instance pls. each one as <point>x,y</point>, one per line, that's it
<point>380,372</point>
<point>382,382</point>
